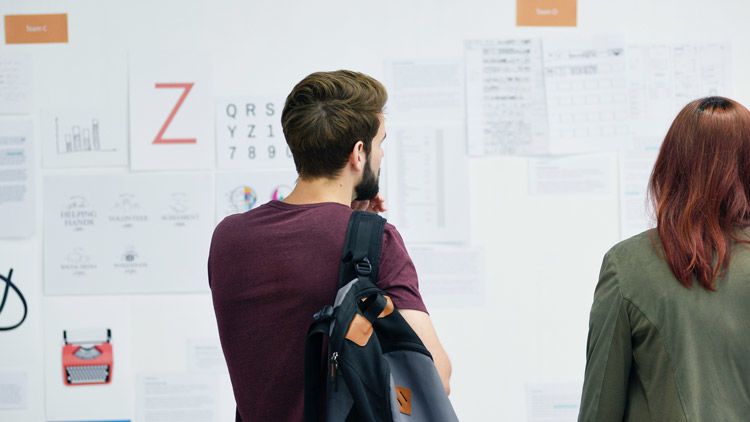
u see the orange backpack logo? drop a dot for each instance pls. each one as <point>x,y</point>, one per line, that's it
<point>403,395</point>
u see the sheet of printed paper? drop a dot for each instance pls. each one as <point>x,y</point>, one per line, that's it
<point>17,178</point>
<point>664,78</point>
<point>587,94</point>
<point>428,179</point>
<point>238,192</point>
<point>87,321</point>
<point>204,354</point>
<point>635,209</point>
<point>425,91</point>
<point>505,98</point>
<point>14,389</point>
<point>21,374</point>
<point>449,276</point>
<point>184,397</point>
<point>83,122</point>
<point>136,233</point>
<point>589,174</point>
<point>553,402</point>
<point>249,134</point>
<point>171,112</point>
<point>15,83</point>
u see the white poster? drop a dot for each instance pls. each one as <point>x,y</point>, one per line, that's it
<point>83,121</point>
<point>249,134</point>
<point>505,98</point>
<point>449,276</point>
<point>15,83</point>
<point>428,173</point>
<point>205,354</point>
<point>635,209</point>
<point>239,192</point>
<point>137,233</point>
<point>665,77</point>
<point>425,91</point>
<point>14,389</point>
<point>87,353</point>
<point>171,112</point>
<point>17,178</point>
<point>173,397</point>
<point>587,94</point>
<point>590,174</point>
<point>553,402</point>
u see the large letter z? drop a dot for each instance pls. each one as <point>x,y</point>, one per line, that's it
<point>186,86</point>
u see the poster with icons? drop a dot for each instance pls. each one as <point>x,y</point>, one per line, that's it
<point>238,192</point>
<point>249,135</point>
<point>136,233</point>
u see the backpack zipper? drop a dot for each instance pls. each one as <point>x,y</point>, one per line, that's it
<point>334,361</point>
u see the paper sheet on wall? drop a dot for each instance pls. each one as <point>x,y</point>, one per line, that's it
<point>17,178</point>
<point>14,389</point>
<point>665,77</point>
<point>205,354</point>
<point>184,397</point>
<point>590,174</point>
<point>84,119</point>
<point>505,98</point>
<point>635,211</point>
<point>249,134</point>
<point>87,319</point>
<point>171,112</point>
<point>239,192</point>
<point>587,94</point>
<point>428,175</point>
<point>553,402</point>
<point>425,91</point>
<point>449,276</point>
<point>15,83</point>
<point>134,233</point>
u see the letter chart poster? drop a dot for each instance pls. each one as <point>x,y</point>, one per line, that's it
<point>249,134</point>
<point>170,112</point>
<point>137,233</point>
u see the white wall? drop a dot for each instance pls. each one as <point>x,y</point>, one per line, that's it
<point>543,252</point>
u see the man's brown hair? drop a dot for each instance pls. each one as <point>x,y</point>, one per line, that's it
<point>326,114</point>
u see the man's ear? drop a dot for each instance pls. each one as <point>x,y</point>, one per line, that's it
<point>358,158</point>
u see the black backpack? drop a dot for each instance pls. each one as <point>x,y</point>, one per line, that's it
<point>376,367</point>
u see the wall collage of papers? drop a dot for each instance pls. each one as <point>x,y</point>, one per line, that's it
<point>136,173</point>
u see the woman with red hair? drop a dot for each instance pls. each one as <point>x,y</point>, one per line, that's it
<point>669,335</point>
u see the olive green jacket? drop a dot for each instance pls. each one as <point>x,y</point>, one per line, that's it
<point>658,351</point>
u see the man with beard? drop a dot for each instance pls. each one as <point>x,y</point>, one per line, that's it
<point>271,268</point>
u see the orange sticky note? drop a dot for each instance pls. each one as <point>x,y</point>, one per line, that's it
<point>30,29</point>
<point>546,12</point>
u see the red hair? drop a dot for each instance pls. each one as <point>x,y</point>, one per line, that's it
<point>700,188</point>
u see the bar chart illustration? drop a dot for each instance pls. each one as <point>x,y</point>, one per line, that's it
<point>83,137</point>
<point>78,137</point>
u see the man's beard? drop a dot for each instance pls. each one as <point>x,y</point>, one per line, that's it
<point>369,187</point>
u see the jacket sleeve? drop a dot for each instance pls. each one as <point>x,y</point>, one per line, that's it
<point>609,351</point>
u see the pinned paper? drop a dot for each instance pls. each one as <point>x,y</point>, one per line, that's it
<point>34,29</point>
<point>546,12</point>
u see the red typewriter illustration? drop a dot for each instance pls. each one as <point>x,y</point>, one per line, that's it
<point>87,360</point>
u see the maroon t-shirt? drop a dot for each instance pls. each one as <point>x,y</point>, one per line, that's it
<point>270,269</point>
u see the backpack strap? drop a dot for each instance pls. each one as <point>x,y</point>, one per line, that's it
<point>360,258</point>
<point>314,379</point>
<point>364,240</point>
